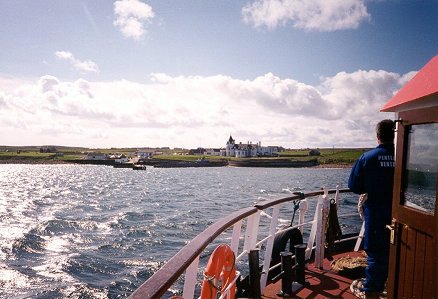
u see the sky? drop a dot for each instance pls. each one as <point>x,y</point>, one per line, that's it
<point>161,73</point>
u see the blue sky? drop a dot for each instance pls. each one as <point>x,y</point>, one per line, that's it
<point>134,73</point>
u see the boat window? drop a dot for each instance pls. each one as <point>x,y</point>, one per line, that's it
<point>420,173</point>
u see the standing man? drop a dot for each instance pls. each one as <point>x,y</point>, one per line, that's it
<point>373,174</point>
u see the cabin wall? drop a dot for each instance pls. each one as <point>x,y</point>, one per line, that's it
<point>416,254</point>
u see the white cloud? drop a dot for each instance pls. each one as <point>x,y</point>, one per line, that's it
<point>311,15</point>
<point>132,17</point>
<point>192,111</point>
<point>360,94</point>
<point>80,65</point>
<point>406,77</point>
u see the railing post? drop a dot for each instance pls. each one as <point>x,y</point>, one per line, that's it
<point>360,237</point>
<point>337,195</point>
<point>237,228</point>
<point>190,279</point>
<point>269,246</point>
<point>254,273</point>
<point>304,206</point>
<point>323,206</point>
<point>314,229</point>
<point>252,226</point>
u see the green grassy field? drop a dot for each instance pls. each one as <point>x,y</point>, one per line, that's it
<point>346,156</point>
<point>327,155</point>
<point>25,154</point>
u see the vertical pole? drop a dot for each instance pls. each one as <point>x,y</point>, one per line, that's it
<point>304,206</point>
<point>269,246</point>
<point>313,231</point>
<point>237,228</point>
<point>318,223</point>
<point>324,214</point>
<point>337,195</point>
<point>254,274</point>
<point>190,279</point>
<point>286,278</point>
<point>360,237</point>
<point>252,226</point>
<point>300,262</point>
<point>323,206</point>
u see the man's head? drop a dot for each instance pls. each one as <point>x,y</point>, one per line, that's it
<point>385,131</point>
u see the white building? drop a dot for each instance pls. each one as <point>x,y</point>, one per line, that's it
<point>230,149</point>
<point>143,155</point>
<point>118,158</point>
<point>247,150</point>
<point>213,152</point>
<point>95,156</point>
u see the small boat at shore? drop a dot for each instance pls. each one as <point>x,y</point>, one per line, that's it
<point>309,271</point>
<point>123,165</point>
<point>138,167</point>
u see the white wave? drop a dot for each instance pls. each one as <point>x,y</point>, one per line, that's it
<point>53,268</point>
<point>11,279</point>
<point>57,244</point>
<point>81,291</point>
<point>286,190</point>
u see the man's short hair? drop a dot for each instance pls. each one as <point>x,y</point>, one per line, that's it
<point>385,131</point>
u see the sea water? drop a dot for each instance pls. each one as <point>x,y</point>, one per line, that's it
<point>80,231</point>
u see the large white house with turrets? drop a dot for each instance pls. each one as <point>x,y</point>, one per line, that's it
<point>249,149</point>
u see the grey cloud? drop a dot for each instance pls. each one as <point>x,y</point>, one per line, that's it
<point>126,122</point>
<point>71,109</point>
<point>325,131</point>
<point>3,103</point>
<point>14,123</point>
<point>47,83</point>
<point>52,98</point>
<point>84,87</point>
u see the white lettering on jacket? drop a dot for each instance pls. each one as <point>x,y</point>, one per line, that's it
<point>386,160</point>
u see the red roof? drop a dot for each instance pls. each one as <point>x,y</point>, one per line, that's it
<point>424,83</point>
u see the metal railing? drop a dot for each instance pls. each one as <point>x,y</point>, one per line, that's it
<point>187,259</point>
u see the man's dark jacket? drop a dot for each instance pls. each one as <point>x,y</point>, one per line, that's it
<point>373,173</point>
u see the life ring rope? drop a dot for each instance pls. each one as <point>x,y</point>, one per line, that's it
<point>210,280</point>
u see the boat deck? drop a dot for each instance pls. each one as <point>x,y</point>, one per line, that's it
<point>321,283</point>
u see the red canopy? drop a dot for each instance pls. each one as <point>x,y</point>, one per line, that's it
<point>423,84</point>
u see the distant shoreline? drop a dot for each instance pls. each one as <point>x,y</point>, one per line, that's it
<point>58,162</point>
<point>33,161</point>
<point>341,165</point>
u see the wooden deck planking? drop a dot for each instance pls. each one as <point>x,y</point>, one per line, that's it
<point>322,283</point>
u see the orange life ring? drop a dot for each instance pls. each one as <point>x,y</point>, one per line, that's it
<point>220,267</point>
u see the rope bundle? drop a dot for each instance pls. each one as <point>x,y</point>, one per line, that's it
<point>350,266</point>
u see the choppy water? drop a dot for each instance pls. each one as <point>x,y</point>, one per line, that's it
<point>70,231</point>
